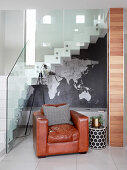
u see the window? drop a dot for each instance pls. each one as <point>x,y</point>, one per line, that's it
<point>46,44</point>
<point>99,17</point>
<point>47,19</point>
<point>76,30</point>
<point>80,19</point>
<point>30,36</point>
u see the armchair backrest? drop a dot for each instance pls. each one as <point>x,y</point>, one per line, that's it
<point>55,105</point>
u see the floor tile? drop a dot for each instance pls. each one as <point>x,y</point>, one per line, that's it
<point>23,152</point>
<point>23,157</point>
<point>17,165</point>
<point>60,162</point>
<point>96,160</point>
<point>119,156</point>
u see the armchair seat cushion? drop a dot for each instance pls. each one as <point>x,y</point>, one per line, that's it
<point>62,133</point>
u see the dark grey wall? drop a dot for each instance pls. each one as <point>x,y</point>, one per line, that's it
<point>83,82</point>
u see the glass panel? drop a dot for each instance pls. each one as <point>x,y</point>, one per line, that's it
<point>62,33</point>
<point>17,83</point>
<point>80,25</point>
<point>49,35</point>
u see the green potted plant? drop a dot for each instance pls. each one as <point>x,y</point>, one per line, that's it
<point>96,121</point>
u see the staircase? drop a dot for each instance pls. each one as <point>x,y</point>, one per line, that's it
<point>80,41</point>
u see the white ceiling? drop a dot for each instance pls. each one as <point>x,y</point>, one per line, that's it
<point>60,4</point>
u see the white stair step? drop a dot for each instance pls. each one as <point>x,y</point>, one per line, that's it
<point>86,45</point>
<point>93,38</point>
<point>102,29</point>
<point>60,52</point>
<point>94,32</point>
<point>85,35</point>
<point>75,52</point>
<point>52,59</point>
<point>72,46</point>
<point>103,32</point>
<point>80,37</point>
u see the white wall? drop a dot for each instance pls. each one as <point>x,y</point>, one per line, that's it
<point>2,115</point>
<point>14,38</point>
<point>89,112</point>
<point>11,38</point>
<point>57,4</point>
<point>2,33</point>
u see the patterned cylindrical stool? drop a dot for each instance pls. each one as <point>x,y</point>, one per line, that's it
<point>97,137</point>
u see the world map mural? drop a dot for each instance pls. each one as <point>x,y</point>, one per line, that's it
<point>80,82</point>
<point>71,73</point>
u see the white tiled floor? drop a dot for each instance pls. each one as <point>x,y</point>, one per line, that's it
<point>22,157</point>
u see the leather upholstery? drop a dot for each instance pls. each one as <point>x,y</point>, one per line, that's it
<point>43,142</point>
<point>81,123</point>
<point>62,148</point>
<point>40,133</point>
<point>62,133</point>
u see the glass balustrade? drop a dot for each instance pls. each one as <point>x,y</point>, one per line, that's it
<point>17,90</point>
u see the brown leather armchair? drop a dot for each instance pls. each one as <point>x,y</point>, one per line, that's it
<point>69,139</point>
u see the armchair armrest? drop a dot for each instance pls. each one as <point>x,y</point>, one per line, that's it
<point>42,112</point>
<point>40,133</point>
<point>81,123</point>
